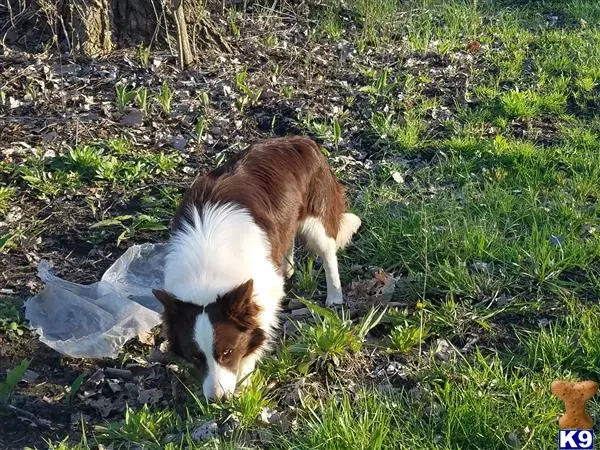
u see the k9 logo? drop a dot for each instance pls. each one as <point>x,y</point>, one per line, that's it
<point>575,439</point>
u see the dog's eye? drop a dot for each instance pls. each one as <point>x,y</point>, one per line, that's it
<point>226,354</point>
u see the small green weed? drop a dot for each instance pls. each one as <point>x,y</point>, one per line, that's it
<point>131,225</point>
<point>204,99</point>
<point>75,385</point>
<point>234,28</point>
<point>406,337</point>
<point>143,54</point>
<point>330,25</point>
<point>49,183</point>
<point>141,98</point>
<point>7,240</point>
<point>65,445</point>
<point>287,91</point>
<point>162,163</point>
<point>13,377</point>
<point>380,86</point>
<point>165,97</point>
<point>7,195</point>
<point>119,145</point>
<point>85,160</point>
<point>200,128</point>
<point>251,96</point>
<point>124,96</point>
<point>331,338</point>
<point>11,321</point>
<point>95,164</point>
<point>271,40</point>
<point>307,278</point>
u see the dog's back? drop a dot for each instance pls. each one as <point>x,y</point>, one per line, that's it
<point>282,182</point>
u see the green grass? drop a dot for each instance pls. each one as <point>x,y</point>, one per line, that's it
<point>468,410</point>
<point>6,196</point>
<point>332,337</point>
<point>143,427</point>
<point>101,164</point>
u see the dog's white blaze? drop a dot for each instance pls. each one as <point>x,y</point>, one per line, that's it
<point>219,381</point>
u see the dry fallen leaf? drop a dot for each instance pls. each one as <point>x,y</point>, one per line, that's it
<point>102,405</point>
<point>205,431</point>
<point>133,118</point>
<point>149,396</point>
<point>376,291</point>
<point>474,46</point>
<point>443,349</point>
<point>146,337</point>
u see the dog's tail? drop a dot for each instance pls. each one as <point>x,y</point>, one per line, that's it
<point>349,225</point>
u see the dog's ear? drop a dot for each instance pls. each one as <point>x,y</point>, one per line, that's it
<point>257,339</point>
<point>168,301</point>
<point>240,306</point>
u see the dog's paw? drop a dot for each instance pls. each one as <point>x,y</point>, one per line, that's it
<point>334,299</point>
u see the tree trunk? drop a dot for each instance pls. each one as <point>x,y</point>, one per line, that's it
<point>96,27</point>
<point>90,23</point>
<point>207,35</point>
<point>138,21</point>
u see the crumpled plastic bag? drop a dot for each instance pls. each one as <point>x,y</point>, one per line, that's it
<point>96,320</point>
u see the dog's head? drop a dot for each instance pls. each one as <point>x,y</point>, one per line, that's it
<point>214,337</point>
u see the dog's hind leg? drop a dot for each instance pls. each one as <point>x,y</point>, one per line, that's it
<point>317,240</point>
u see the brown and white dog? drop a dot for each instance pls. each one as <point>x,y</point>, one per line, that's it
<point>232,246</point>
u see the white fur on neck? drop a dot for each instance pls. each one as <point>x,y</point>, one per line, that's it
<point>218,250</point>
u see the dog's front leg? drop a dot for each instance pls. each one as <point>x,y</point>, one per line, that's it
<point>288,263</point>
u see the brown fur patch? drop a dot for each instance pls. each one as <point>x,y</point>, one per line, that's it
<point>234,317</point>
<point>281,182</point>
<point>180,319</point>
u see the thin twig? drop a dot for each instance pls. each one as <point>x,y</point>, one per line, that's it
<point>157,29</point>
<point>164,8</point>
<point>38,421</point>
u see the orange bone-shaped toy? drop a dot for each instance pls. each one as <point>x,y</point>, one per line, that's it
<point>575,395</point>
